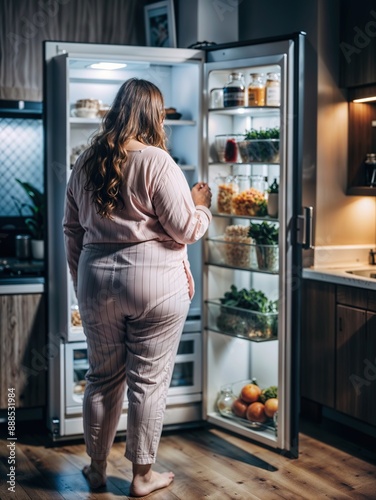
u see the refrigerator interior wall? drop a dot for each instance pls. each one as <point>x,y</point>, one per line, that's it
<point>232,360</point>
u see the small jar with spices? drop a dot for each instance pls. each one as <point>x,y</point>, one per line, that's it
<point>234,91</point>
<point>256,90</point>
<point>273,89</point>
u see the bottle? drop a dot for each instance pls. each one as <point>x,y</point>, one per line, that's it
<point>225,400</point>
<point>234,91</point>
<point>370,163</point>
<point>256,90</point>
<point>273,89</point>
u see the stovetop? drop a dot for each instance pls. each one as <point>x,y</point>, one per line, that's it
<point>12,267</point>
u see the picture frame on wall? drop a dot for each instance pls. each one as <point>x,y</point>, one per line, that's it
<point>160,24</point>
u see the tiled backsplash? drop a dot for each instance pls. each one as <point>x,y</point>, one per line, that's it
<point>21,156</point>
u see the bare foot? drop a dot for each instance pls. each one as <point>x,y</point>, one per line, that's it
<point>144,484</point>
<point>95,474</point>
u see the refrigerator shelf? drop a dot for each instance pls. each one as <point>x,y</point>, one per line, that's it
<point>266,435</point>
<point>266,111</point>
<point>236,335</point>
<point>246,217</point>
<point>96,121</point>
<point>249,269</point>
<point>243,163</point>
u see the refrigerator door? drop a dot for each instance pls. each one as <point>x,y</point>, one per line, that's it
<point>242,343</point>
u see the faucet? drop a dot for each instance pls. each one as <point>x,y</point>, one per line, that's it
<point>372,257</point>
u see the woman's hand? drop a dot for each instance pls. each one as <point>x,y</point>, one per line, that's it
<point>201,194</point>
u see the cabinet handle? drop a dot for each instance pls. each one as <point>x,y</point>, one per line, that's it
<point>340,324</point>
<point>304,228</point>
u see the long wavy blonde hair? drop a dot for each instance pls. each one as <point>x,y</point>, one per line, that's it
<point>136,113</point>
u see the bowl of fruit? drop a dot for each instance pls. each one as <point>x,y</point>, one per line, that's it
<point>249,404</point>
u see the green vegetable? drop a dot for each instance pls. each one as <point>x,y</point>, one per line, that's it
<point>265,233</point>
<point>269,393</point>
<point>268,133</point>
<point>248,299</point>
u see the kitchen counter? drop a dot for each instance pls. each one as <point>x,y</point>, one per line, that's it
<point>21,285</point>
<point>339,276</point>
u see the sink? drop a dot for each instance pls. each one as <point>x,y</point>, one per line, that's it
<point>366,273</point>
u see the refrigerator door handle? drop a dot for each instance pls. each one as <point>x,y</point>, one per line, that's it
<point>304,228</point>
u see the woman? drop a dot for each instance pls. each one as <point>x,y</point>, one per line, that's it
<point>129,215</point>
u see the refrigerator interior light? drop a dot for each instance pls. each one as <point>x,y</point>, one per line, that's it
<point>365,99</point>
<point>107,65</point>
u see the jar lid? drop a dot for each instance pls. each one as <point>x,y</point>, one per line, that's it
<point>236,75</point>
<point>273,76</point>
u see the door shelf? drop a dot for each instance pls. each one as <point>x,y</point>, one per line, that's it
<point>246,217</point>
<point>231,163</point>
<point>250,269</point>
<point>267,111</point>
<point>240,336</point>
<point>265,435</point>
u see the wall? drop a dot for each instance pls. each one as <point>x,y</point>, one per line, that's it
<point>340,220</point>
<point>207,20</point>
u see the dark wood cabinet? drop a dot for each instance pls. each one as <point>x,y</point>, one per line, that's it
<point>357,45</point>
<point>361,140</point>
<point>23,350</point>
<point>357,58</point>
<point>318,342</point>
<point>338,349</point>
<point>356,353</point>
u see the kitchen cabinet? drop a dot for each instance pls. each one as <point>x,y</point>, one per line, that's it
<point>338,349</point>
<point>318,342</point>
<point>356,353</point>
<point>23,349</point>
<point>357,43</point>
<point>358,74</point>
<point>361,140</point>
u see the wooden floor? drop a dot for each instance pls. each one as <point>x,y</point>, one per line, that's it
<point>208,463</point>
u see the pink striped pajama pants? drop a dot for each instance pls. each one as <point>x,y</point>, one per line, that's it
<point>133,302</point>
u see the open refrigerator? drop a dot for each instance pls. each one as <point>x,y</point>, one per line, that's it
<point>216,351</point>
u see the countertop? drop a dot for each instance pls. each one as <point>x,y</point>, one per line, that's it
<point>21,285</point>
<point>339,276</point>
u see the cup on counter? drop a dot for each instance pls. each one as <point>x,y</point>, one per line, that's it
<point>23,246</point>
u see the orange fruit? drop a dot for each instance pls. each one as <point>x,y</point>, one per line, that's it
<point>271,406</point>
<point>239,408</point>
<point>256,412</point>
<point>250,393</point>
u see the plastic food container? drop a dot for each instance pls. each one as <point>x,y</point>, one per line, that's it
<point>242,323</point>
<point>226,147</point>
<point>259,150</point>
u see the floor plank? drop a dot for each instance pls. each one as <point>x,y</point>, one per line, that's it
<point>209,463</point>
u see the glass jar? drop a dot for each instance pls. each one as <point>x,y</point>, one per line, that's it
<point>256,90</point>
<point>273,89</point>
<point>234,91</point>
<point>225,399</point>
<point>226,187</point>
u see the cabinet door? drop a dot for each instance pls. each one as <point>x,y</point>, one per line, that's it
<point>357,43</point>
<point>351,347</point>
<point>23,350</point>
<point>369,370</point>
<point>318,342</point>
